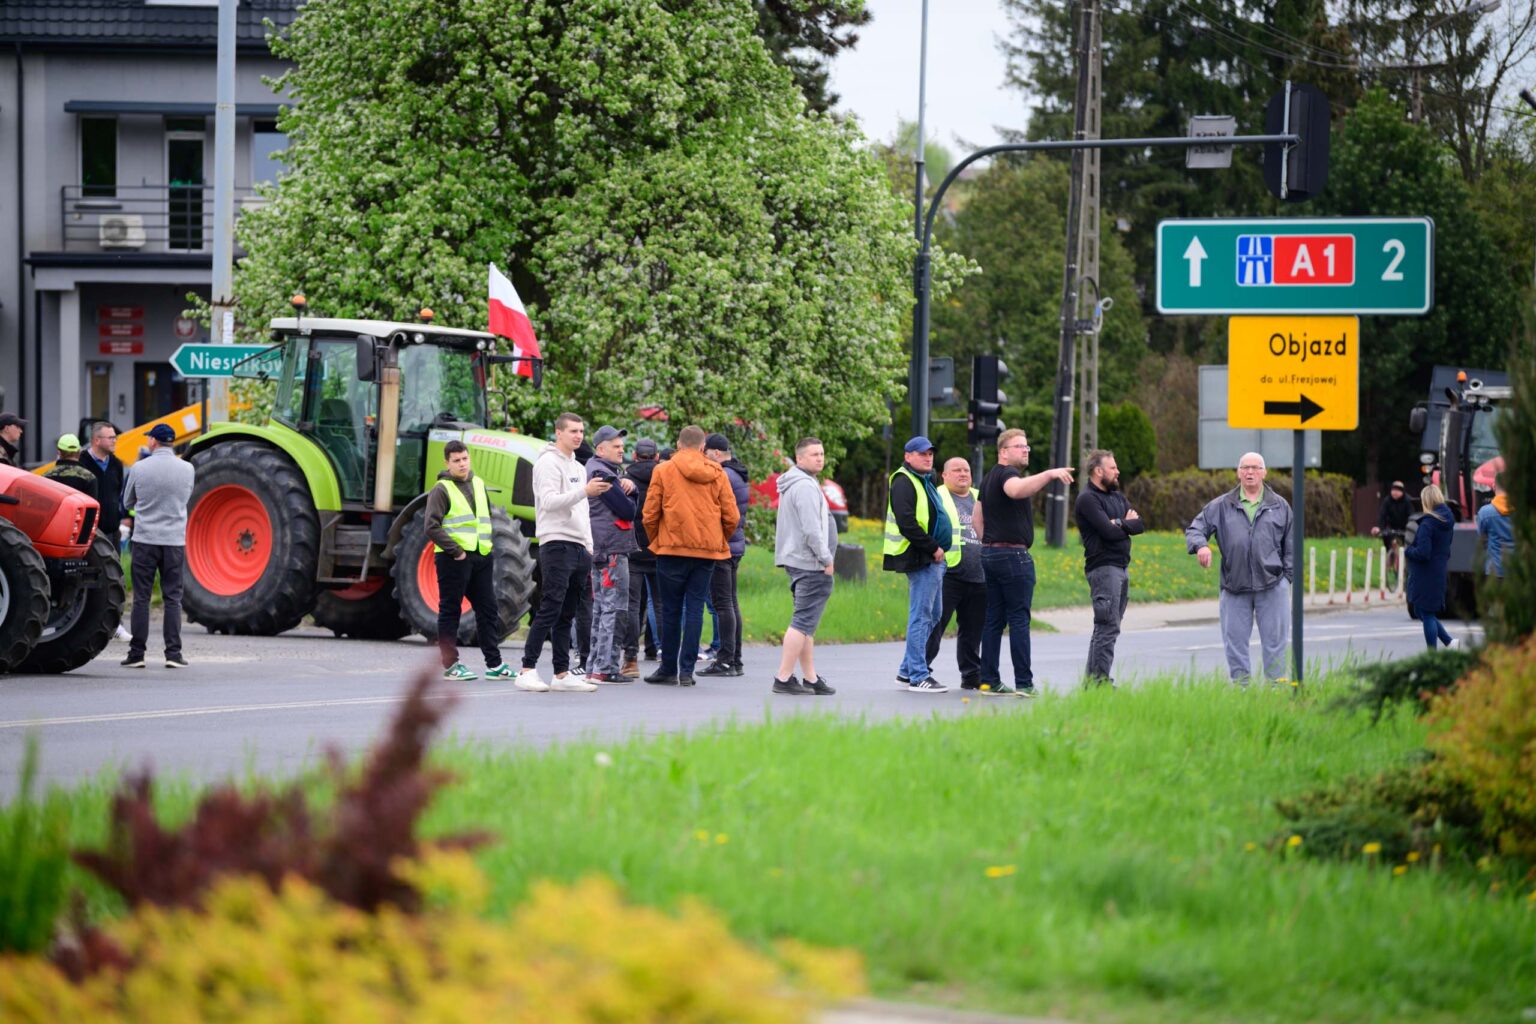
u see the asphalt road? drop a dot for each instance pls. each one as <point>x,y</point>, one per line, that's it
<point>274,704</point>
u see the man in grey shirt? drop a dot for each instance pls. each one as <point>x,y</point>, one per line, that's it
<point>965,585</point>
<point>156,492</point>
<point>805,545</point>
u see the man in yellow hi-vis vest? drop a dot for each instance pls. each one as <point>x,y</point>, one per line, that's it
<point>917,535</point>
<point>458,520</point>
<point>965,585</point>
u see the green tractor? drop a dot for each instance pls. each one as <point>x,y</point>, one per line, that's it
<point>321,510</point>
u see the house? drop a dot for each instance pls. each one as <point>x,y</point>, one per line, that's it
<point>106,197</point>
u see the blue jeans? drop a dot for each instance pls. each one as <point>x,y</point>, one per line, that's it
<point>925,603</point>
<point>1433,631</point>
<point>684,584</point>
<point>1010,593</point>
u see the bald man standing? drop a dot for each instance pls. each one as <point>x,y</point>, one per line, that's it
<point>965,585</point>
<point>1252,524</point>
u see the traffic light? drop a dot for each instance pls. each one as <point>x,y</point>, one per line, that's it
<point>1306,163</point>
<point>981,424</point>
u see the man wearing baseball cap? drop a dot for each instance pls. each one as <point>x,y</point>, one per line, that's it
<point>11,427</point>
<point>156,493</point>
<point>68,471</point>
<point>917,536</point>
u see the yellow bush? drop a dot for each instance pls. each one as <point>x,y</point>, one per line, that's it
<point>1483,731</point>
<point>569,955</point>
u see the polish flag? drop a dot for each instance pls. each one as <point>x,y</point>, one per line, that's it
<point>510,320</point>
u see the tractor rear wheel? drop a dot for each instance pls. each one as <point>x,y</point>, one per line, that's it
<point>253,541</point>
<point>416,578</point>
<point>23,595</point>
<point>364,611</point>
<point>82,622</point>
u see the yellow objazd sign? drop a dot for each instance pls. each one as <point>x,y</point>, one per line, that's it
<point>1293,372</point>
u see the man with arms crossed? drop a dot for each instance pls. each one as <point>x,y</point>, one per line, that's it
<point>1106,522</point>
<point>458,520</point>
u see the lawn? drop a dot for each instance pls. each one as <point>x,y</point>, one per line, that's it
<point>1107,856</point>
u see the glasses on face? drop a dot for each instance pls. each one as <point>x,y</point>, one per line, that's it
<point>1018,445</point>
<point>1250,469</point>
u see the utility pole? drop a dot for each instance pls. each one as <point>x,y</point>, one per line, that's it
<point>1057,494</point>
<point>917,377</point>
<point>222,299</point>
<point>1088,262</point>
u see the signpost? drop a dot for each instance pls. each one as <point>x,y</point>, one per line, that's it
<point>1293,373</point>
<point>1380,265</point>
<point>212,360</point>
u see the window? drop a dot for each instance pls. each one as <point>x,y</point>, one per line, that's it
<point>288,403</point>
<point>266,143</point>
<point>98,156</point>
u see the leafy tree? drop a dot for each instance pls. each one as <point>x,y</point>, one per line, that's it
<point>683,232</point>
<point>804,35</point>
<point>1127,431</point>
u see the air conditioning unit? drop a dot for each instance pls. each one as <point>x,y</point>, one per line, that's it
<point>121,231</point>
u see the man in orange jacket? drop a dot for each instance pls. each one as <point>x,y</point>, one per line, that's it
<point>689,515</point>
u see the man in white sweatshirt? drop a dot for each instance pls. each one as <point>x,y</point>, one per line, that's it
<point>564,530</point>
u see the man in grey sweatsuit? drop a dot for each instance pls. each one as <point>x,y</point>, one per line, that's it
<point>805,543</point>
<point>1252,525</point>
<point>156,492</point>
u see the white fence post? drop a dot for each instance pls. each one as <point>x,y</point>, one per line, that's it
<point>1312,572</point>
<point>1365,591</point>
<point>1333,570</point>
<point>1349,575</point>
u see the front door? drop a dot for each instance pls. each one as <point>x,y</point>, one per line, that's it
<point>157,390</point>
<point>184,181</point>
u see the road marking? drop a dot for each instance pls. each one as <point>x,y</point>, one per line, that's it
<point>231,709</point>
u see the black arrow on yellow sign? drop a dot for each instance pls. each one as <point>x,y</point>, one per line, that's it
<point>1305,408</point>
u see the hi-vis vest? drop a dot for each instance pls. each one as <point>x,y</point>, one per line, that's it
<point>956,531</point>
<point>895,543</point>
<point>470,528</point>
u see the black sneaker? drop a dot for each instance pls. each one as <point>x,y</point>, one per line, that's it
<point>659,678</point>
<point>971,683</point>
<point>819,687</point>
<point>133,661</point>
<point>929,685</point>
<point>791,686</point>
<point>715,668</point>
<point>685,681</point>
<point>175,661</point>
<point>902,681</point>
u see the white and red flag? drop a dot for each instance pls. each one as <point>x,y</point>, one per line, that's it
<point>510,320</point>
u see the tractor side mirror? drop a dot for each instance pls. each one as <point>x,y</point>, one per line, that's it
<point>1418,419</point>
<point>367,359</point>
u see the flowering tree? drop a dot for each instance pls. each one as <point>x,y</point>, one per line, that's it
<point>684,232</point>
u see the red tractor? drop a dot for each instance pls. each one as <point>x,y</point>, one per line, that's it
<point>61,582</point>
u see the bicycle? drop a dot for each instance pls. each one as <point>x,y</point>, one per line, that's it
<point>1392,544</point>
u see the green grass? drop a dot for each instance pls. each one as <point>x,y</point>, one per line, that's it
<point>877,609</point>
<point>1117,827</point>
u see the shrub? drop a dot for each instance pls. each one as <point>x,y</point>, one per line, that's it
<point>1383,684</point>
<point>1483,732</point>
<point>1127,431</point>
<point>762,522</point>
<point>1169,501</point>
<point>570,954</point>
<point>1512,613</point>
<point>34,855</point>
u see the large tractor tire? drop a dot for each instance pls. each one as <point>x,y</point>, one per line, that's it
<point>416,578</point>
<point>23,596</point>
<point>364,611</point>
<point>81,625</point>
<point>253,542</point>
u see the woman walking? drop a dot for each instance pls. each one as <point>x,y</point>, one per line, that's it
<point>1430,553</point>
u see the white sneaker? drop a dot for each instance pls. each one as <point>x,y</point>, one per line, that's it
<point>122,633</point>
<point>528,679</point>
<point>1455,643</point>
<point>571,683</point>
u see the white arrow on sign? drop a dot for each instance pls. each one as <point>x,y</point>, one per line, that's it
<point>1195,254</point>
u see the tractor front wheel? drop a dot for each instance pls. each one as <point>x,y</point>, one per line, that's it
<point>253,541</point>
<point>416,578</point>
<point>84,619</point>
<point>23,596</point>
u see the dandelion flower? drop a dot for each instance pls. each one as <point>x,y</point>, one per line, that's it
<point>1000,870</point>
<point>1250,847</point>
<point>1413,857</point>
<point>721,838</point>
<point>986,686</point>
<point>1293,842</point>
<point>965,700</point>
<point>702,835</point>
<point>1400,869</point>
<point>1371,849</point>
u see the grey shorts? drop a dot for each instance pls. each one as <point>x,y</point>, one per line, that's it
<point>811,589</point>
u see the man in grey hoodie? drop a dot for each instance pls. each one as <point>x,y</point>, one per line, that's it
<point>805,543</point>
<point>156,492</point>
<point>1253,526</point>
<point>563,526</point>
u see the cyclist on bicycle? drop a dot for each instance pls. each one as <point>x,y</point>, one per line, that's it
<point>1392,518</point>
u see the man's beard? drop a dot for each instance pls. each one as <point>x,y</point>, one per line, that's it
<point>1111,486</point>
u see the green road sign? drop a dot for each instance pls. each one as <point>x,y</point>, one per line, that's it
<point>1383,265</point>
<point>212,360</point>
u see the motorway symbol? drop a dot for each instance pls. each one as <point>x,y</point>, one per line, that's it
<point>1304,408</point>
<point>1294,265</point>
<point>1293,373</point>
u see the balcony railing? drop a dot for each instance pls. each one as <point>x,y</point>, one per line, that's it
<point>142,218</point>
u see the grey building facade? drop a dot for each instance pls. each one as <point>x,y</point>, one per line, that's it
<point>106,197</point>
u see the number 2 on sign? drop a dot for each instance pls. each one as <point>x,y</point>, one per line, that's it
<point>1396,248</point>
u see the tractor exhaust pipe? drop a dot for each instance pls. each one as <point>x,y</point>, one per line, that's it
<point>389,431</point>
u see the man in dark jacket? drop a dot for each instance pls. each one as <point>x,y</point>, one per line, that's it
<point>642,567</point>
<point>917,536</point>
<point>1392,516</point>
<point>11,427</point>
<point>1253,526</point>
<point>723,584</point>
<point>99,459</point>
<point>1107,523</point>
<point>458,521</point>
<point>68,471</point>
<point>613,516</point>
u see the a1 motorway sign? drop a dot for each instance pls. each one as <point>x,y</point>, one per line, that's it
<point>1383,265</point>
<point>192,360</point>
<point>1293,372</point>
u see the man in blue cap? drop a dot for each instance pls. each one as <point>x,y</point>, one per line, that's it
<point>917,535</point>
<point>156,492</point>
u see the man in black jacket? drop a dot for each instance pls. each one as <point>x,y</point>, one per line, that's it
<point>1393,515</point>
<point>98,457</point>
<point>917,537</point>
<point>1107,523</point>
<point>642,566</point>
<point>613,514</point>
